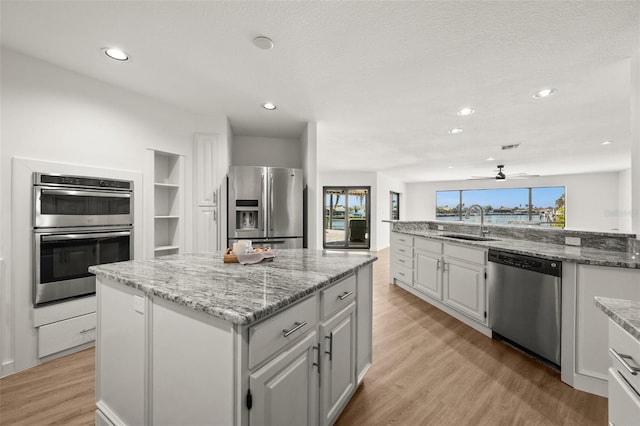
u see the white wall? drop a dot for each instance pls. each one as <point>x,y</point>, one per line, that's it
<point>309,152</point>
<point>387,184</point>
<point>635,143</point>
<point>625,196</point>
<point>55,115</point>
<point>592,200</point>
<point>261,151</point>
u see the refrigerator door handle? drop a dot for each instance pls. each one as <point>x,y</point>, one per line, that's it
<point>270,202</point>
<point>263,199</point>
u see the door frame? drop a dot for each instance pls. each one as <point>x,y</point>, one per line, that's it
<point>347,243</point>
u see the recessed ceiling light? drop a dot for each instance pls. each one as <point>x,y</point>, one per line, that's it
<point>264,43</point>
<point>544,93</point>
<point>490,159</point>
<point>269,106</point>
<point>606,143</point>
<point>450,167</point>
<point>456,130</point>
<point>466,111</point>
<point>115,53</point>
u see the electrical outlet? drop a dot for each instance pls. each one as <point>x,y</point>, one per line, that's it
<point>138,304</point>
<point>572,241</point>
<point>440,227</point>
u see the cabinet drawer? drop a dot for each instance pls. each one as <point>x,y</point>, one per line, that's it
<point>427,245</point>
<point>402,250</point>
<point>401,239</point>
<point>401,259</point>
<point>478,256</point>
<point>61,335</point>
<point>402,273</point>
<point>273,334</point>
<point>337,296</point>
<point>628,348</point>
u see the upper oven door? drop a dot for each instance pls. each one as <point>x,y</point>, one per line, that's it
<point>60,207</point>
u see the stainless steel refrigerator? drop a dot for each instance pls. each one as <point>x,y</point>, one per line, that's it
<point>265,206</point>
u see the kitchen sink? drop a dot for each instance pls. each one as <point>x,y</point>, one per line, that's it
<point>468,237</point>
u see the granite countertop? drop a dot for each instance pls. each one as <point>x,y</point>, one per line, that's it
<point>239,294</point>
<point>546,250</point>
<point>625,313</point>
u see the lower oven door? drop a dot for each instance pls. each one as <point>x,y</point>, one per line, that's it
<point>62,259</point>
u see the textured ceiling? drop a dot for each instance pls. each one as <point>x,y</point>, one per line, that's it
<point>383,80</point>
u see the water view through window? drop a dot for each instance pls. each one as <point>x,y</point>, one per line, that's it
<point>542,206</point>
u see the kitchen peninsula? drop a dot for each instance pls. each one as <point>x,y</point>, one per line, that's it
<point>448,265</point>
<point>188,339</point>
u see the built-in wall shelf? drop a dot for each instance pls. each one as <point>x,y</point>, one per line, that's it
<point>166,229</point>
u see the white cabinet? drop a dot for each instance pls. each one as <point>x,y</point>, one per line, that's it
<point>207,192</point>
<point>624,382</point>
<point>364,333</point>
<point>338,366</point>
<point>165,232</point>
<point>285,391</point>
<point>591,355</point>
<point>69,333</point>
<point>428,272</point>
<point>465,281</point>
<point>401,267</point>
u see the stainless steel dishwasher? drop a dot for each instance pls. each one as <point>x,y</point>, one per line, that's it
<point>525,297</point>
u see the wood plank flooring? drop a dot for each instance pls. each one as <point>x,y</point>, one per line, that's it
<point>428,369</point>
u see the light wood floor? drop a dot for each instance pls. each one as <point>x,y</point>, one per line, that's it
<point>428,369</point>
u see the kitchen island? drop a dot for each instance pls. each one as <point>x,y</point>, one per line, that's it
<point>188,339</point>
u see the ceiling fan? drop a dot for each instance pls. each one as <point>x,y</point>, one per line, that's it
<point>500,175</point>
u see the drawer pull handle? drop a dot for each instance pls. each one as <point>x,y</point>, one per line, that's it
<point>438,265</point>
<point>401,260</point>
<point>345,295</point>
<point>330,352</point>
<point>317,364</point>
<point>623,360</point>
<point>296,326</point>
<point>402,250</point>
<point>86,330</point>
<point>401,273</point>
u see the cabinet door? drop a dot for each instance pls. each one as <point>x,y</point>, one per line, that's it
<point>464,288</point>
<point>428,278</point>
<point>207,229</point>
<point>206,174</point>
<point>285,391</point>
<point>338,371</point>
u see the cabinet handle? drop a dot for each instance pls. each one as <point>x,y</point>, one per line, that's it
<point>444,266</point>
<point>297,326</point>
<point>401,273</point>
<point>438,265</point>
<point>402,239</point>
<point>330,337</point>
<point>345,295</point>
<point>86,330</point>
<point>402,250</point>
<point>623,360</point>
<point>317,364</point>
<point>401,260</point>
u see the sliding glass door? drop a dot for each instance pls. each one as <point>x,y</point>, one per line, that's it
<point>346,217</point>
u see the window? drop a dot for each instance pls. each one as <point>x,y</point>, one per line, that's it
<point>346,217</point>
<point>395,206</point>
<point>542,206</point>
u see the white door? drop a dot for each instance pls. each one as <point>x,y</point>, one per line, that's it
<point>338,367</point>
<point>464,288</point>
<point>428,278</point>
<point>285,391</point>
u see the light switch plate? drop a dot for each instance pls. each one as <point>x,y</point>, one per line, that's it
<point>138,304</point>
<point>572,241</point>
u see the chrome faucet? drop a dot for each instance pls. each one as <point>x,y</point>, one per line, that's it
<point>483,231</point>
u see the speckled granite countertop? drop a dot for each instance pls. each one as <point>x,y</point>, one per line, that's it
<point>546,250</point>
<point>240,294</point>
<point>625,313</point>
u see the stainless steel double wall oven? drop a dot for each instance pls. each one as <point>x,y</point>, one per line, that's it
<point>78,221</point>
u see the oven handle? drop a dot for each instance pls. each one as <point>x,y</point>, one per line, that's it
<point>65,237</point>
<point>108,194</point>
